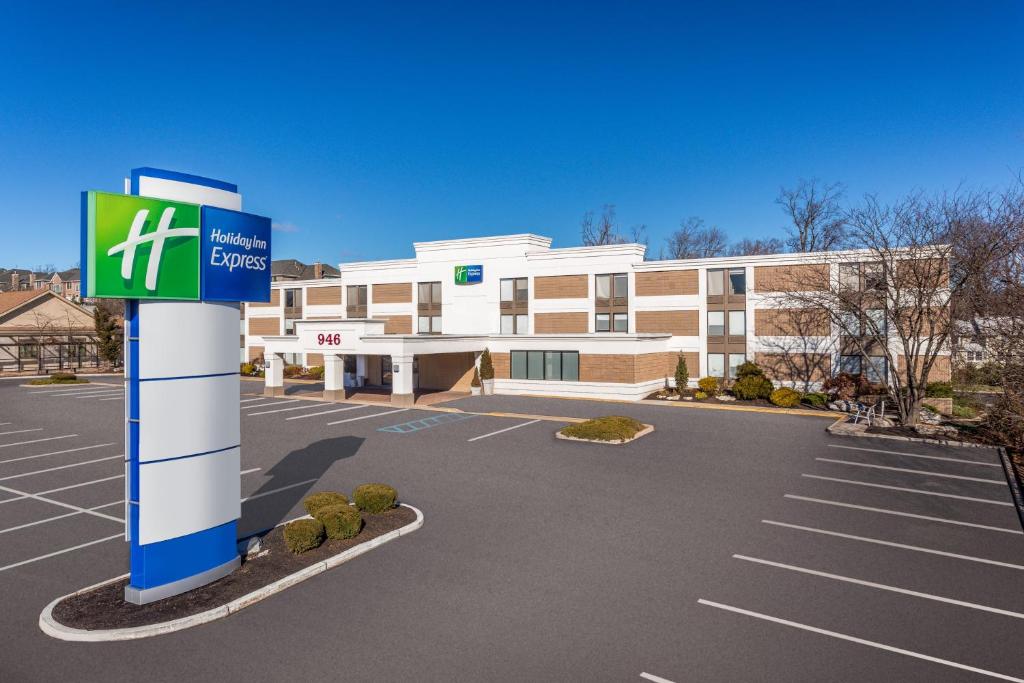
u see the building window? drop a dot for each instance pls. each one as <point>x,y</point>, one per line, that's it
<point>289,326</point>
<point>559,366</point>
<point>737,323</point>
<point>975,356</point>
<point>738,281</point>
<point>28,351</point>
<point>292,298</point>
<point>611,303</point>
<point>515,305</point>
<point>849,364</point>
<point>875,323</point>
<point>716,365</point>
<point>429,308</point>
<point>855,277</point>
<point>735,361</point>
<point>716,282</point>
<point>716,323</point>
<point>356,297</point>
<point>876,369</point>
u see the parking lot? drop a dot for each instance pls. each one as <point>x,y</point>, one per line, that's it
<point>725,546</point>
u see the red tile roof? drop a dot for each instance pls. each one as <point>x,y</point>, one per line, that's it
<point>11,300</point>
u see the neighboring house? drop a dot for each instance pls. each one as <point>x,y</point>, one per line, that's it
<point>984,340</point>
<point>291,270</point>
<point>581,321</point>
<point>42,331</point>
<point>66,283</point>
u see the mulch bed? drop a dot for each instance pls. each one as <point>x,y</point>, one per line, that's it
<point>105,608</point>
<point>966,435</point>
<point>757,402</point>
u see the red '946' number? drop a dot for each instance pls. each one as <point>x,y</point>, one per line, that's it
<point>332,339</point>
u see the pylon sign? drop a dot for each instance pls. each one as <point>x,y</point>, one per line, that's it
<point>145,248</point>
<point>181,255</point>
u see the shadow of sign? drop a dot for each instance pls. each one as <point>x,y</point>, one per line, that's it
<point>291,479</point>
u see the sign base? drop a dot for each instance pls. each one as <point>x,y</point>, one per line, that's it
<point>141,596</point>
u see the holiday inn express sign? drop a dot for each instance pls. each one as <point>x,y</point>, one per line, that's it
<point>144,248</point>
<point>182,255</point>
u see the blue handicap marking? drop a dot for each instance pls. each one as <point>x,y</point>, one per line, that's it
<point>425,423</point>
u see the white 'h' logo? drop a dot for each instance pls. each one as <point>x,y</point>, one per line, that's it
<point>135,238</point>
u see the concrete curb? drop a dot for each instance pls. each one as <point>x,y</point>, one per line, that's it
<point>1011,480</point>
<point>643,432</point>
<point>837,429</point>
<point>52,628</point>
<point>744,409</point>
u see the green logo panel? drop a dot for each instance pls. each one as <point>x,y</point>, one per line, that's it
<point>140,248</point>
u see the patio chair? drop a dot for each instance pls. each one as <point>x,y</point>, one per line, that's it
<point>870,411</point>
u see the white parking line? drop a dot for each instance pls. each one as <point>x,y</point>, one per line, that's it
<point>36,496</point>
<point>278,490</point>
<point>4,424</point>
<point>64,391</point>
<point>61,467</point>
<point>61,552</point>
<point>891,544</point>
<point>249,400</point>
<point>904,514</point>
<point>85,390</point>
<point>913,471</point>
<point>96,394</point>
<point>271,403</point>
<point>54,519</point>
<point>328,412</point>
<point>652,677</point>
<point>882,586</point>
<point>49,438</point>
<point>21,431</point>
<point>285,410</point>
<point>859,641</point>
<point>43,455</point>
<point>367,417</point>
<point>909,490</point>
<point>114,398</point>
<point>918,455</point>
<point>502,431</point>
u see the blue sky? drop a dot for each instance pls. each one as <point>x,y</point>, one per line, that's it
<point>362,127</point>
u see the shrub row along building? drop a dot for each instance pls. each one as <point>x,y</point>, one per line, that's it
<point>595,321</point>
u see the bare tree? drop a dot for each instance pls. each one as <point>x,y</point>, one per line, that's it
<point>603,232</point>
<point>890,302</point>
<point>756,247</point>
<point>694,240</point>
<point>816,214</point>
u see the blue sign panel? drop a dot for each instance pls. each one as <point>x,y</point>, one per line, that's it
<point>469,275</point>
<point>235,256</point>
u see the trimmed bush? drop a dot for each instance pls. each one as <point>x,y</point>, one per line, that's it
<point>316,372</point>
<point>314,501</point>
<point>340,521</point>
<point>752,387</point>
<point>749,369</point>
<point>475,382</point>
<point>700,395</point>
<point>63,377</point>
<point>939,390</point>
<point>682,374</point>
<point>303,534</point>
<point>845,386</point>
<point>247,369</point>
<point>709,385</point>
<point>608,428</point>
<point>930,408</point>
<point>964,411</point>
<point>375,498</point>
<point>292,370</point>
<point>785,397</point>
<point>486,365</point>
<point>815,398</point>
<point>59,378</point>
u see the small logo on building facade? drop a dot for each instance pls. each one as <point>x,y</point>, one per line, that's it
<point>469,275</point>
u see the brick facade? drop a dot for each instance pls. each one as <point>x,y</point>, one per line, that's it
<point>677,323</point>
<point>391,293</point>
<point>560,323</point>
<point>791,322</point>
<point>560,287</point>
<point>797,278</point>
<point>666,282</point>
<point>323,296</point>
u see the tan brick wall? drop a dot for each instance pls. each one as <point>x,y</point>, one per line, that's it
<point>255,352</point>
<point>796,278</point>
<point>791,322</point>
<point>666,282</point>
<point>940,369</point>
<point>323,296</point>
<point>397,324</point>
<point>447,371</point>
<point>559,323</point>
<point>678,323</point>
<point>264,326</point>
<point>502,363</point>
<point>795,367</point>
<point>607,367</point>
<point>314,359</point>
<point>560,287</point>
<point>391,293</point>
<point>275,299</point>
